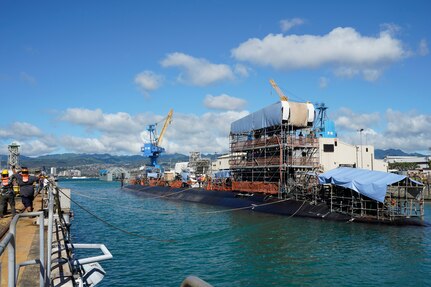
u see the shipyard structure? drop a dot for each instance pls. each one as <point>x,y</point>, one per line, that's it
<point>290,150</point>
<point>286,159</point>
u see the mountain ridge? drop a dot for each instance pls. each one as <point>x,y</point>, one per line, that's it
<point>70,160</point>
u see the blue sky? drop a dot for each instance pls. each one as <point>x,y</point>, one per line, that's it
<point>88,76</point>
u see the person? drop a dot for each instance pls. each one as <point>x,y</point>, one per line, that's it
<point>122,179</point>
<point>7,194</point>
<point>26,183</point>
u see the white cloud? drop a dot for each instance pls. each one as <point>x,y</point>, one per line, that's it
<point>288,24</point>
<point>148,81</point>
<point>371,74</point>
<point>96,120</point>
<point>33,141</point>
<point>343,48</point>
<point>423,47</point>
<point>38,147</point>
<point>408,124</point>
<point>224,102</point>
<point>390,29</point>
<point>241,70</point>
<point>84,145</point>
<point>20,130</point>
<point>25,129</point>
<point>122,133</point>
<point>323,82</point>
<point>198,71</point>
<point>207,133</point>
<point>346,119</point>
<point>406,131</point>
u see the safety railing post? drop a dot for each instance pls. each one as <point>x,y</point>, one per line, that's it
<point>50,223</point>
<point>42,274</point>
<point>12,253</point>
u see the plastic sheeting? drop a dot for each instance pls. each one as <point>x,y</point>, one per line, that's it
<point>266,117</point>
<point>367,182</point>
<point>222,174</point>
<point>299,115</point>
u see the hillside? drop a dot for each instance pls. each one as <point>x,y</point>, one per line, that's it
<point>100,161</point>
<point>73,160</point>
<point>382,153</point>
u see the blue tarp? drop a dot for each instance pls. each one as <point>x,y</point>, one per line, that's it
<point>367,182</point>
<point>266,117</point>
<point>222,174</point>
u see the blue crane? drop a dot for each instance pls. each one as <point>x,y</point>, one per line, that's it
<point>324,127</point>
<point>152,149</point>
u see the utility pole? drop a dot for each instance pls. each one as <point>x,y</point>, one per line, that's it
<point>362,158</point>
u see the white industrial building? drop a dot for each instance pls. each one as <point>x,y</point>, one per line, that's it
<point>221,163</point>
<point>113,173</point>
<point>421,161</point>
<point>334,153</point>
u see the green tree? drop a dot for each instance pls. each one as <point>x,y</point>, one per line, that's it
<point>403,166</point>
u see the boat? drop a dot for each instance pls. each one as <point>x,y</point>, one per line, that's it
<point>275,167</point>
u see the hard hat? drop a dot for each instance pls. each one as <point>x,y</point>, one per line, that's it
<point>5,172</point>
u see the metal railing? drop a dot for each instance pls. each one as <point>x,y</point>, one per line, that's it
<point>9,241</point>
<point>45,259</point>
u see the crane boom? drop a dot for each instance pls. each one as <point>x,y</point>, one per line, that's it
<point>278,90</point>
<point>152,149</point>
<point>165,125</point>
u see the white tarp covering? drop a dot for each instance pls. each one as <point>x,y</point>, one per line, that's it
<point>297,114</point>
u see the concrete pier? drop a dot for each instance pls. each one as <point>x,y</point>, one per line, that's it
<point>27,245</point>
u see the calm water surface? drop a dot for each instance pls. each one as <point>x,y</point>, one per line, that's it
<point>175,239</point>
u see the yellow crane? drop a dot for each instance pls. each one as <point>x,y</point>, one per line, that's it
<point>165,125</point>
<point>278,90</point>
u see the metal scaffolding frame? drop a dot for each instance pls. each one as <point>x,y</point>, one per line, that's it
<point>274,155</point>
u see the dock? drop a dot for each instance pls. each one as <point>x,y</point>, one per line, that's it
<point>27,240</point>
<point>36,247</point>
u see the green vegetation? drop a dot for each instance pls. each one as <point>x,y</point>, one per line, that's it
<point>404,166</point>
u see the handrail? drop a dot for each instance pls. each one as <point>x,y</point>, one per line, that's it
<point>44,260</point>
<point>106,254</point>
<point>50,230</point>
<point>9,241</point>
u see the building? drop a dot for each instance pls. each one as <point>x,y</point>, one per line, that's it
<point>334,153</point>
<point>221,163</point>
<point>53,171</point>
<point>70,173</point>
<point>114,174</point>
<point>421,161</point>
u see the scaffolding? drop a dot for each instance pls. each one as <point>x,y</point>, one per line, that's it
<point>273,159</point>
<point>198,164</point>
<point>403,200</point>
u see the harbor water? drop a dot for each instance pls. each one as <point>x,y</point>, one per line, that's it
<point>157,242</point>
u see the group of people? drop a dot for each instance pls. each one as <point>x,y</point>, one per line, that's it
<point>22,182</point>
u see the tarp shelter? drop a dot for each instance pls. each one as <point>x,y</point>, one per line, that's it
<point>222,174</point>
<point>366,182</point>
<point>297,114</point>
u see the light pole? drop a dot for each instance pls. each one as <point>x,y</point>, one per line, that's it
<point>362,158</point>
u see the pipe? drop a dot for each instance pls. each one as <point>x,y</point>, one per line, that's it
<point>106,254</point>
